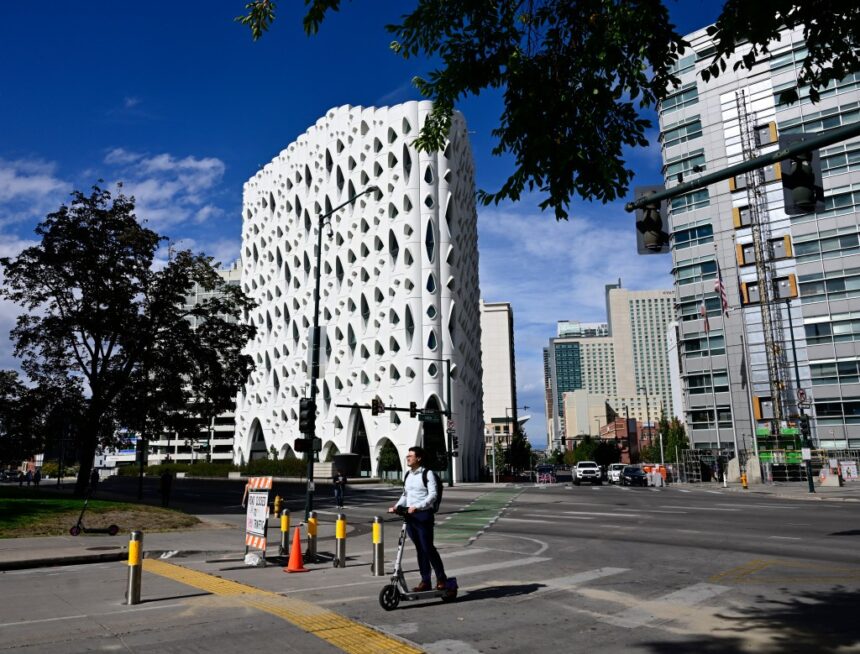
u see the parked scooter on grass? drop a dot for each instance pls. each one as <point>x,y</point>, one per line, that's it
<point>79,527</point>
<point>396,590</point>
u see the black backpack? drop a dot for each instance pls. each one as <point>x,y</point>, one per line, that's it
<point>435,507</point>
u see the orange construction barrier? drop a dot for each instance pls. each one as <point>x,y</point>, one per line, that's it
<point>296,564</point>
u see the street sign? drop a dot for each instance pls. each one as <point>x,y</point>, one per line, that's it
<point>257,515</point>
<point>451,431</point>
<point>801,397</point>
<point>434,418</point>
<point>805,453</point>
<point>450,425</point>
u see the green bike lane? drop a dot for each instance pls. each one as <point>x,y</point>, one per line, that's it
<point>468,523</point>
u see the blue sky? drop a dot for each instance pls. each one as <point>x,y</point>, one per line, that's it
<point>176,101</point>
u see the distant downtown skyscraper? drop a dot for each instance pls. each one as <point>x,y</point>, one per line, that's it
<point>625,361</point>
<point>399,289</point>
<point>793,299</point>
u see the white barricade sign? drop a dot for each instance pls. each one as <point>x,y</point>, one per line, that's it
<point>257,515</point>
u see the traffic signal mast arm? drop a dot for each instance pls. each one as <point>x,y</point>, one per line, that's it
<point>813,142</point>
<point>381,408</point>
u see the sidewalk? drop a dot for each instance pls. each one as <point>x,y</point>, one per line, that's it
<point>850,492</point>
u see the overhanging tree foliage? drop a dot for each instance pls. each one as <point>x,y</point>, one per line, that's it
<point>576,74</point>
<point>97,312</point>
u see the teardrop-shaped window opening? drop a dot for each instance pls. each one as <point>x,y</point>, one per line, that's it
<point>377,145</point>
<point>271,202</point>
<point>407,204</point>
<point>377,169</point>
<point>393,318</point>
<point>340,179</point>
<point>395,419</point>
<point>428,201</point>
<point>295,333</point>
<point>338,384</point>
<point>288,276</point>
<point>338,334</point>
<point>307,222</point>
<point>378,244</point>
<point>410,373</point>
<point>364,353</point>
<point>450,283</point>
<point>307,263</point>
<point>327,268</point>
<point>378,349</point>
<point>350,336</point>
<point>326,394</point>
<point>392,160</point>
<point>407,257</point>
<point>432,370</point>
<point>340,146</point>
<point>364,128</point>
<point>338,269</point>
<point>408,285</point>
<point>393,246</point>
<point>407,163</point>
<point>365,308</point>
<point>365,277</point>
<point>431,283</point>
<point>350,163</point>
<point>448,150</point>
<point>364,178</point>
<point>350,305</point>
<point>392,210</point>
<point>392,135</point>
<point>275,381</point>
<point>393,345</point>
<point>378,296</point>
<point>350,256</point>
<point>393,374</point>
<point>328,343</point>
<point>351,189</point>
<point>452,324</point>
<point>298,207</point>
<point>338,239</point>
<point>430,241</point>
<point>410,327</point>
<point>329,162</point>
<point>428,175</point>
<point>364,251</point>
<point>405,127</point>
<point>431,312</point>
<point>365,380</point>
<point>307,176</point>
<point>447,176</point>
<point>364,226</point>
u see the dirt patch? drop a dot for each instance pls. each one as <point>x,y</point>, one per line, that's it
<point>148,519</point>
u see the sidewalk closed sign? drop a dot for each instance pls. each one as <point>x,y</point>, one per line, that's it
<point>257,516</point>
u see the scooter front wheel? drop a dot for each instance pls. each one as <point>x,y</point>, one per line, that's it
<point>75,531</point>
<point>389,597</point>
<point>113,530</point>
<point>450,596</point>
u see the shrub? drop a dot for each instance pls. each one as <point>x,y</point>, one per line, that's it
<point>284,468</point>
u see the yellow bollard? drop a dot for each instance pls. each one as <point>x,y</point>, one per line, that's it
<point>378,567</point>
<point>285,528</point>
<point>340,541</point>
<point>135,567</point>
<point>311,553</point>
<point>277,505</point>
<point>744,480</point>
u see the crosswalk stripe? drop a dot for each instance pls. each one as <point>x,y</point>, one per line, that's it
<point>664,608</point>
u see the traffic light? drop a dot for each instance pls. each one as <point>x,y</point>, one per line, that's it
<point>375,407</point>
<point>804,427</point>
<point>455,446</point>
<point>802,188</point>
<point>413,409</point>
<point>307,415</point>
<point>651,221</point>
<point>302,445</point>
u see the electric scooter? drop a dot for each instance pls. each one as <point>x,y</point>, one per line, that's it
<point>397,590</point>
<point>79,527</point>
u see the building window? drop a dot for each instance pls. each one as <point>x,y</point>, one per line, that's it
<point>686,164</point>
<point>834,412</point>
<point>703,345</point>
<point>693,236</point>
<point>690,201</point>
<point>835,372</point>
<point>704,418</point>
<point>682,133</point>
<point>816,287</point>
<point>821,120</point>
<point>841,161</point>
<point>842,328</point>
<point>686,96</point>
<point>701,384</point>
<point>696,272</point>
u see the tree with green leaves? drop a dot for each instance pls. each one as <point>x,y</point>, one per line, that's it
<point>578,74</point>
<point>520,451</point>
<point>675,440</point>
<point>98,311</point>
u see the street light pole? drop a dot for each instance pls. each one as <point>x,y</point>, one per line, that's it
<point>806,440</point>
<point>647,415</point>
<point>315,340</point>
<point>513,409</point>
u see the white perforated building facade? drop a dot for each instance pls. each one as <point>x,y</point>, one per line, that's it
<point>399,281</point>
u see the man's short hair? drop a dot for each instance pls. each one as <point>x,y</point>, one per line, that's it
<point>417,451</point>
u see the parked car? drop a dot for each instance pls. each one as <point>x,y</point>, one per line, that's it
<point>633,476</point>
<point>545,473</point>
<point>613,473</point>
<point>587,471</point>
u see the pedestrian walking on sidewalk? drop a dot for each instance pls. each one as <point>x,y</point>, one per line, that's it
<point>339,481</point>
<point>37,477</point>
<point>94,481</point>
<point>166,485</point>
<point>420,500</point>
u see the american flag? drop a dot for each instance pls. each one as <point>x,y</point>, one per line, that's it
<point>720,288</point>
<point>704,313</point>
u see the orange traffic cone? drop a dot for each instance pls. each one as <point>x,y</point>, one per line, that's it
<point>296,563</point>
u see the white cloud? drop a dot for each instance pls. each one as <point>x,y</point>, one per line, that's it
<point>169,191</point>
<point>10,246</point>
<point>129,102</point>
<point>29,188</point>
<point>552,271</point>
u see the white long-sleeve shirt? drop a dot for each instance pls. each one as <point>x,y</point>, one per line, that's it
<point>415,493</point>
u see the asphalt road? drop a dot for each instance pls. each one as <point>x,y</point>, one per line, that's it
<point>584,569</point>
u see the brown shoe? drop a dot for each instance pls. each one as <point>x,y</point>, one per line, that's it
<point>441,585</point>
<point>420,588</point>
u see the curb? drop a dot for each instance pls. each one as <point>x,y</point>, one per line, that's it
<point>27,564</point>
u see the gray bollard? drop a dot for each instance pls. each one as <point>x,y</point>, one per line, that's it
<point>135,567</point>
<point>378,565</point>
<point>340,541</point>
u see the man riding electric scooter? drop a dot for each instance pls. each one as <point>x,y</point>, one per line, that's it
<point>419,498</point>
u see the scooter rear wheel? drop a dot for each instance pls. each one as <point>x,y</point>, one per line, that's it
<point>450,596</point>
<point>389,597</point>
<point>75,531</point>
<point>113,530</point>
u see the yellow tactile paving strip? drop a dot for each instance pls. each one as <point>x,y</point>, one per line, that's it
<point>343,633</point>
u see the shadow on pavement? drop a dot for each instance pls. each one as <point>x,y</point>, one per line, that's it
<point>173,597</point>
<point>850,532</point>
<point>810,622</point>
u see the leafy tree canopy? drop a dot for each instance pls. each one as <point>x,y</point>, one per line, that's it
<point>576,74</point>
<point>101,318</point>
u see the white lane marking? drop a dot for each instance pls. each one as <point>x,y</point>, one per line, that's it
<point>665,607</point>
<point>538,522</point>
<point>690,531</point>
<point>449,647</point>
<point>714,492</point>
<point>696,508</point>
<point>684,490</point>
<point>611,515</point>
<point>659,511</point>
<point>785,537</point>
<point>489,567</point>
<point>571,581</point>
<point>556,516</point>
<point>91,615</point>
<point>619,526</point>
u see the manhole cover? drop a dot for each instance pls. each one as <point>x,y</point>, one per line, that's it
<point>104,547</point>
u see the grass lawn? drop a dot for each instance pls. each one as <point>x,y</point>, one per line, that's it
<point>30,512</point>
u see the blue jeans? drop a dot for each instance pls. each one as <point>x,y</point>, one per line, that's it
<point>338,495</point>
<point>419,527</point>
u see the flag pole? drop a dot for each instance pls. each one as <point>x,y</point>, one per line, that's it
<point>720,288</point>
